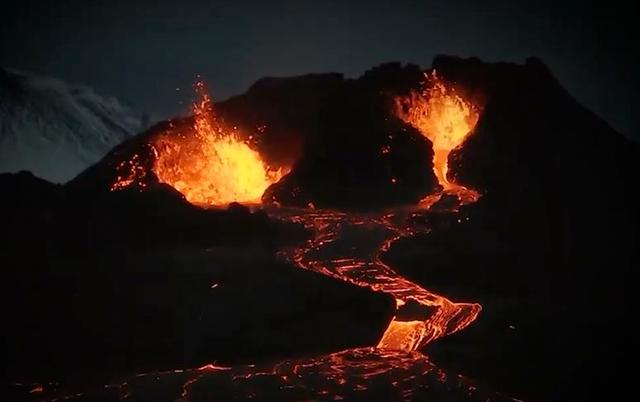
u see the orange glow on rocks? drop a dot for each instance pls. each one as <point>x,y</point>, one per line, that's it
<point>442,116</point>
<point>210,164</point>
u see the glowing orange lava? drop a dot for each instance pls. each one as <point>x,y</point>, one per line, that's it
<point>362,266</point>
<point>443,117</point>
<point>210,164</point>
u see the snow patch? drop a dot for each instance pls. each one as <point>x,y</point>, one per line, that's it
<point>56,130</point>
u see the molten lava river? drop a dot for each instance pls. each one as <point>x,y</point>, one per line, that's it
<point>345,246</point>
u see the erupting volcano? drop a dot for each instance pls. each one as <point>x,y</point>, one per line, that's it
<point>368,273</point>
<point>210,164</point>
<point>442,116</point>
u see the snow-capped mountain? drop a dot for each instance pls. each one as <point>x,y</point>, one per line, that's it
<point>55,129</point>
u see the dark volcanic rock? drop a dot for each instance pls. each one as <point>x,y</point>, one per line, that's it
<point>343,164</point>
<point>43,220</point>
<point>550,247</point>
<point>98,178</point>
<point>284,110</point>
<point>176,308</point>
<point>133,281</point>
<point>27,211</point>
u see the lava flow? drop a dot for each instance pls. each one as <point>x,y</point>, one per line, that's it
<point>210,165</point>
<point>346,247</point>
<point>360,264</point>
<point>362,374</point>
<point>446,119</point>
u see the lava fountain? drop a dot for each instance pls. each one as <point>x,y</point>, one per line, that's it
<point>210,164</point>
<point>442,116</point>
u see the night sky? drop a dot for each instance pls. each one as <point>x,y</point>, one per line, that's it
<point>141,51</point>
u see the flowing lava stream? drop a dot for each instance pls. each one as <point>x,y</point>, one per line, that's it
<point>348,247</point>
<point>344,246</point>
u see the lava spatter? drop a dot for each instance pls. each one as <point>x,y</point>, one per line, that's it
<point>440,114</point>
<point>209,163</point>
